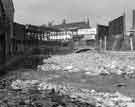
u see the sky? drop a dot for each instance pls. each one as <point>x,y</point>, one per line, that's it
<point>40,12</point>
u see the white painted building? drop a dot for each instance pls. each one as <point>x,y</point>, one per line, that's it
<point>60,36</point>
<point>88,34</point>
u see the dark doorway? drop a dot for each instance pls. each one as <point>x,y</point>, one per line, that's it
<point>2,48</point>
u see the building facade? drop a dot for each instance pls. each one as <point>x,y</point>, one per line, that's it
<point>117,32</point>
<point>102,37</point>
<point>18,39</point>
<point>70,32</point>
<point>6,28</point>
<point>72,27</point>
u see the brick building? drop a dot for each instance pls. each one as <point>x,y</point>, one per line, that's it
<point>70,31</point>
<point>117,32</point>
<point>18,38</point>
<point>6,28</point>
<point>111,37</point>
<point>102,36</point>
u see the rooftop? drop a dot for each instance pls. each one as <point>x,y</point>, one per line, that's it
<point>72,26</point>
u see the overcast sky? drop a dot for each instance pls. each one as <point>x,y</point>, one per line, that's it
<point>42,11</point>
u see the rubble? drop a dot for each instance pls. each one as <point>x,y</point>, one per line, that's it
<point>54,93</point>
<point>91,63</point>
<point>48,67</point>
<point>19,84</point>
<point>99,99</point>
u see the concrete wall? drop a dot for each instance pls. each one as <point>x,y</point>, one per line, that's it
<point>115,42</point>
<point>126,46</point>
